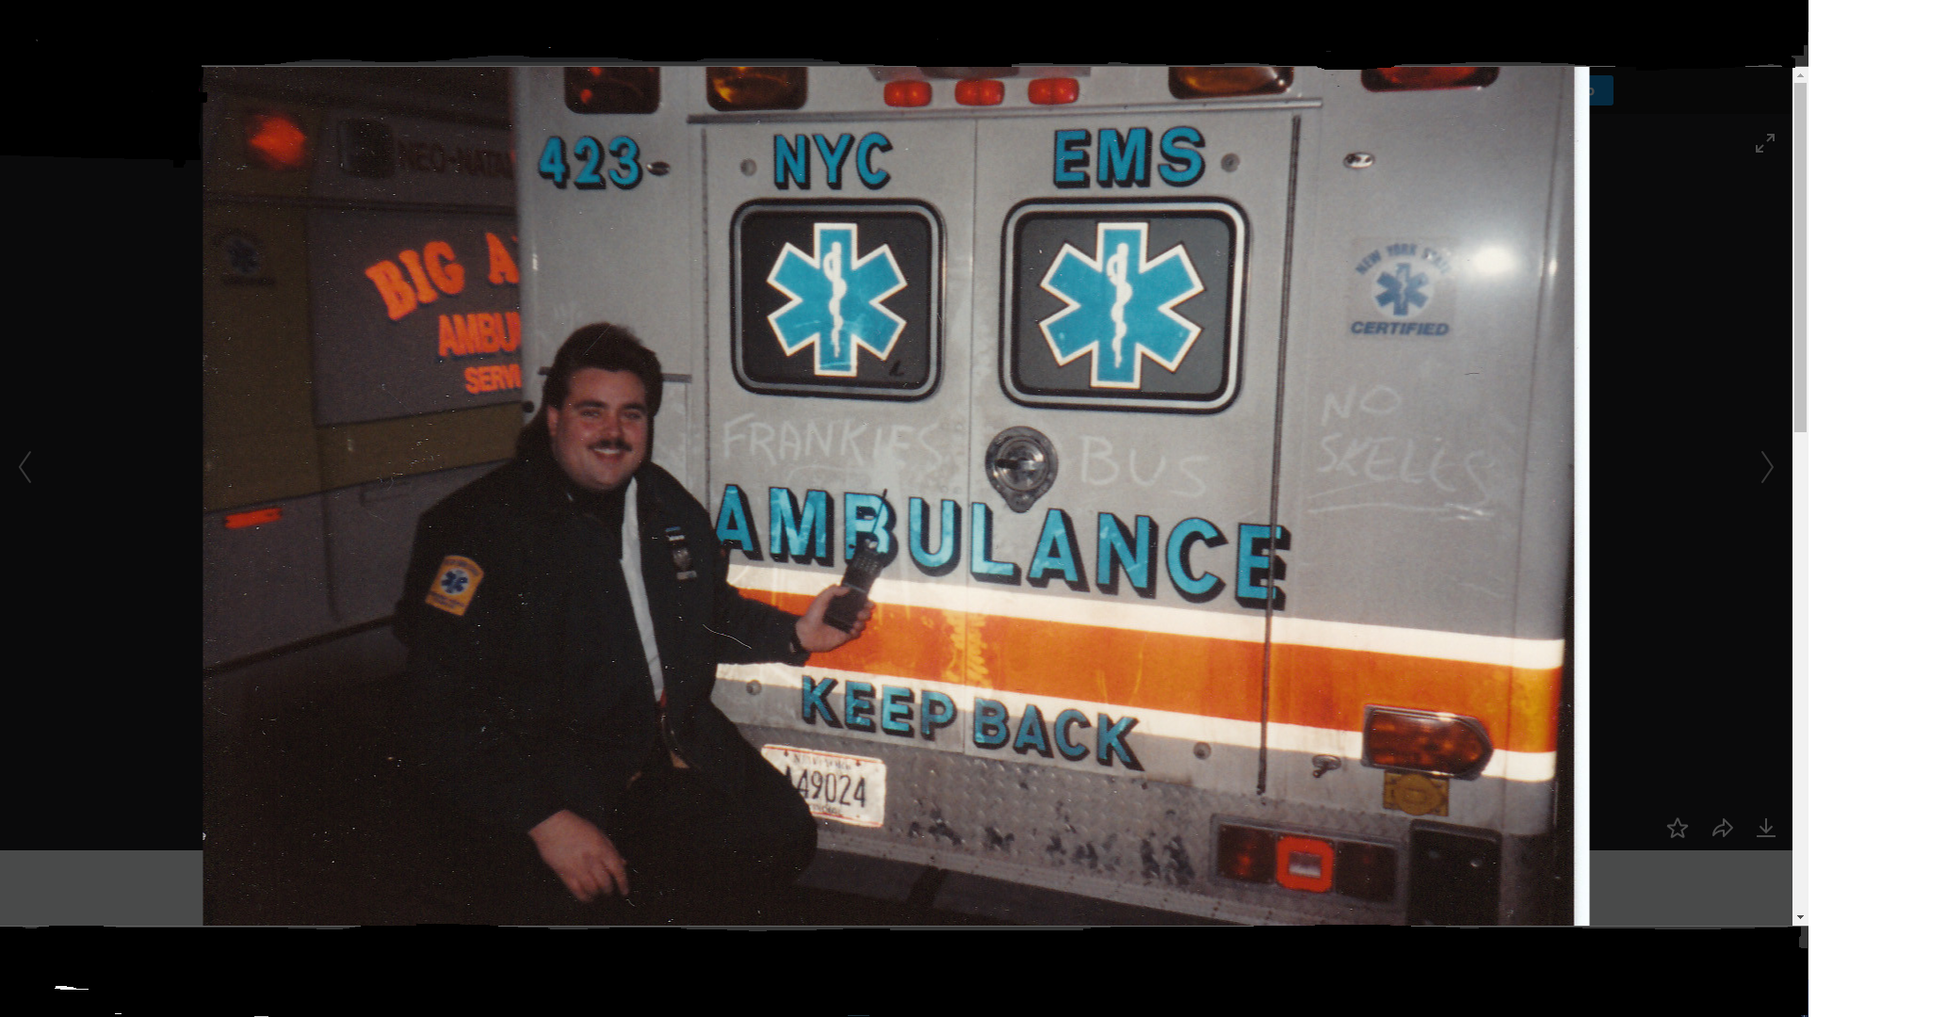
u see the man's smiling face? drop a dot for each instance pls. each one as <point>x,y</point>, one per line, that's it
<point>600,433</point>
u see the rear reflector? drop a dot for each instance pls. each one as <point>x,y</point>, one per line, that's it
<point>908,93</point>
<point>1245,853</point>
<point>1437,743</point>
<point>240,520</point>
<point>1408,79</point>
<point>743,88</point>
<point>1304,863</point>
<point>1053,91</point>
<point>983,92</point>
<point>1206,82</point>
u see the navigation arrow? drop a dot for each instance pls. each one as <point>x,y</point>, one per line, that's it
<point>1767,463</point>
<point>1770,137</point>
<point>23,467</point>
<point>1766,827</point>
<point>1760,149</point>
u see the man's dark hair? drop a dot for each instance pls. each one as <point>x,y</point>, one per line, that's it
<point>610,348</point>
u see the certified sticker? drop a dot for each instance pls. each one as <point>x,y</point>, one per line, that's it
<point>1405,288</point>
<point>848,789</point>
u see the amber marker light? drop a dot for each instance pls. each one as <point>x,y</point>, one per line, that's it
<point>1053,91</point>
<point>979,92</point>
<point>275,141</point>
<point>908,93</point>
<point>1413,79</point>
<point>1210,82</point>
<point>1437,743</point>
<point>744,88</point>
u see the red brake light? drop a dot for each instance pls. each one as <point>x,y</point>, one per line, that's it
<point>1366,871</point>
<point>908,93</point>
<point>1053,91</point>
<point>1406,79</point>
<point>276,142</point>
<point>1246,854</point>
<point>979,92</point>
<point>1437,743</point>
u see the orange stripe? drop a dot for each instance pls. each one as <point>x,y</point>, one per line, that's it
<point>1312,686</point>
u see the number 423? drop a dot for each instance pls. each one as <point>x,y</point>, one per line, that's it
<point>837,788</point>
<point>628,171</point>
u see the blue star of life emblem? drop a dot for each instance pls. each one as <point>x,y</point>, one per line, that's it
<point>836,300</point>
<point>453,581</point>
<point>1405,290</point>
<point>1121,305</point>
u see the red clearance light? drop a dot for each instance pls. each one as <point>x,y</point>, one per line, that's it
<point>1436,743</point>
<point>1411,79</point>
<point>908,93</point>
<point>741,88</point>
<point>979,92</point>
<point>1053,91</point>
<point>1204,82</point>
<point>276,142</point>
<point>1246,854</point>
<point>240,520</point>
<point>1304,863</point>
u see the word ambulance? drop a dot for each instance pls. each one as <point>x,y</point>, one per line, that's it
<point>802,532</point>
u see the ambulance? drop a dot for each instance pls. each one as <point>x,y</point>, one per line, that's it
<point>1212,427</point>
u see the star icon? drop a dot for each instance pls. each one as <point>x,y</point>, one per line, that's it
<point>1676,828</point>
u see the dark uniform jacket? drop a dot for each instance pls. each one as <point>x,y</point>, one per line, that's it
<point>530,686</point>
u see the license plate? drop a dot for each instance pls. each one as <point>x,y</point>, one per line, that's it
<point>849,789</point>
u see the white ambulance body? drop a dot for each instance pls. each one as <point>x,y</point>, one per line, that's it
<point>1223,444</point>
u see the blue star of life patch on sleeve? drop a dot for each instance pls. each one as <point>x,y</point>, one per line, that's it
<point>836,300</point>
<point>454,584</point>
<point>1120,305</point>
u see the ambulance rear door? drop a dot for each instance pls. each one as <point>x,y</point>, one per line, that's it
<point>1125,344</point>
<point>822,226</point>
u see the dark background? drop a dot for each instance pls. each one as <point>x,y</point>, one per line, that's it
<point>1690,378</point>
